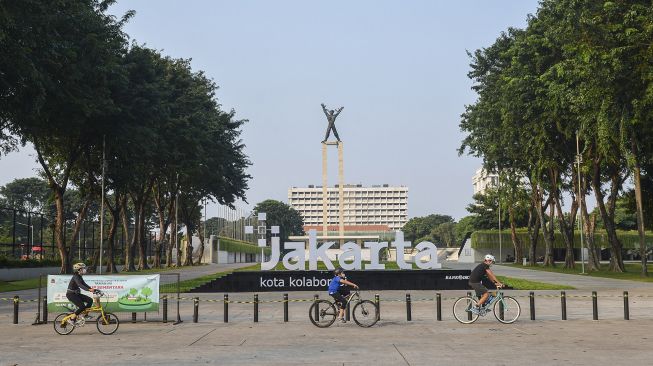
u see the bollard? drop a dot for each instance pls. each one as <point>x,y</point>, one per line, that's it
<point>563,305</point>
<point>377,301</point>
<point>196,309</point>
<point>469,313</point>
<point>45,310</point>
<point>255,308</point>
<point>595,307</point>
<point>285,308</point>
<point>165,308</point>
<point>16,302</point>
<point>531,297</point>
<point>501,310</point>
<point>347,312</point>
<point>409,316</point>
<point>133,317</point>
<point>316,312</point>
<point>438,306</point>
<point>226,308</point>
<point>626,307</point>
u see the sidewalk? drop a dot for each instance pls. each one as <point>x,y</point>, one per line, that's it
<point>580,282</point>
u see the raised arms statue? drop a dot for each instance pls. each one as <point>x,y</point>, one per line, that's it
<point>331,116</point>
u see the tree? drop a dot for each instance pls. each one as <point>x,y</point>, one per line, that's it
<point>280,214</point>
<point>27,194</point>
<point>445,233</point>
<point>421,228</point>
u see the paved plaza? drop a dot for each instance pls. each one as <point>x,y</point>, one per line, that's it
<point>393,341</point>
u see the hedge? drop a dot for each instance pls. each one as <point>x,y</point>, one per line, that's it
<point>490,239</point>
<point>233,245</point>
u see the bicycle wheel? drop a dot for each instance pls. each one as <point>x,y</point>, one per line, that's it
<point>462,310</point>
<point>107,325</point>
<point>366,313</point>
<point>507,310</point>
<point>322,313</point>
<point>63,328</point>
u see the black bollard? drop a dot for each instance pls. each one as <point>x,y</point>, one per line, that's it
<point>377,300</point>
<point>255,308</point>
<point>469,313</point>
<point>626,307</point>
<point>285,308</point>
<point>133,317</point>
<point>409,315</point>
<point>438,306</point>
<point>165,308</point>
<point>16,302</point>
<point>316,312</point>
<point>226,308</point>
<point>595,307</point>
<point>196,309</point>
<point>563,305</point>
<point>501,310</point>
<point>45,310</point>
<point>531,297</point>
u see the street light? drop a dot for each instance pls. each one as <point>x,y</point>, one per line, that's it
<point>31,227</point>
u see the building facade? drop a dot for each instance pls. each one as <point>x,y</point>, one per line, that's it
<point>379,205</point>
<point>483,180</point>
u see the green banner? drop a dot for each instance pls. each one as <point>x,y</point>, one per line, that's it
<point>123,293</point>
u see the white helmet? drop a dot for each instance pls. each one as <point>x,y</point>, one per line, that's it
<point>489,257</point>
<point>78,266</point>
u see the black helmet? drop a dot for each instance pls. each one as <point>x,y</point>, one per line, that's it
<point>338,271</point>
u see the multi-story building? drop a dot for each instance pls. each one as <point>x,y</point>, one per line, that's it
<point>483,180</point>
<point>378,206</point>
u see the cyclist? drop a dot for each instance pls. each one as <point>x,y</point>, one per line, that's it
<point>74,294</point>
<point>475,281</point>
<point>337,289</point>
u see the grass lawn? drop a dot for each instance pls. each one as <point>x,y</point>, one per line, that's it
<point>521,284</point>
<point>187,285</point>
<point>27,284</point>
<point>632,271</point>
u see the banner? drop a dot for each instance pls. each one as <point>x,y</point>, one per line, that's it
<point>124,293</point>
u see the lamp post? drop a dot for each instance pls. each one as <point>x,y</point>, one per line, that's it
<point>31,228</point>
<point>579,160</point>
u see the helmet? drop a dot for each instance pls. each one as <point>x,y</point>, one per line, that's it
<point>338,271</point>
<point>489,257</point>
<point>78,266</point>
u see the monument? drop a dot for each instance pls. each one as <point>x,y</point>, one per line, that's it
<point>331,116</point>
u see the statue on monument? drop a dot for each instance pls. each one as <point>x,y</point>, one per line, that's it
<point>331,116</point>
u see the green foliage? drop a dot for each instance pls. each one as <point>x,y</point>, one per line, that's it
<point>28,194</point>
<point>133,291</point>
<point>278,213</point>
<point>146,291</point>
<point>490,239</point>
<point>232,245</point>
<point>28,263</point>
<point>421,228</point>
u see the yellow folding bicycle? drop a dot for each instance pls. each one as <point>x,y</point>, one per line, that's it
<point>107,323</point>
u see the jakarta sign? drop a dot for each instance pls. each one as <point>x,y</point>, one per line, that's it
<point>350,259</point>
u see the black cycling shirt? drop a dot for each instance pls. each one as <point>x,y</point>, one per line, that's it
<point>478,272</point>
<point>76,283</point>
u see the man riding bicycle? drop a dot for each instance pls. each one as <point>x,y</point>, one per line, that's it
<point>74,294</point>
<point>475,281</point>
<point>337,290</point>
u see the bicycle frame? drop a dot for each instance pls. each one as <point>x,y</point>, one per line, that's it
<point>92,309</point>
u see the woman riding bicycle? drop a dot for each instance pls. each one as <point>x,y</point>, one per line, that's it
<point>74,294</point>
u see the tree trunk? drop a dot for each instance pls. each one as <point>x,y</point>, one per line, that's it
<point>516,242</point>
<point>59,226</point>
<point>589,226</point>
<point>547,230</point>
<point>163,227</point>
<point>140,235</point>
<point>129,242</point>
<point>616,261</point>
<point>200,233</point>
<point>533,231</point>
<point>188,258</point>
<point>640,217</point>
<point>111,266</point>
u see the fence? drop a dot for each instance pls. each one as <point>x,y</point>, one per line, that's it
<point>388,307</point>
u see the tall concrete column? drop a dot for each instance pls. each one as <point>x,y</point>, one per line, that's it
<point>341,189</point>
<point>325,212</point>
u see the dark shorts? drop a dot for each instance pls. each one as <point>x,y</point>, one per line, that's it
<point>479,288</point>
<point>338,299</point>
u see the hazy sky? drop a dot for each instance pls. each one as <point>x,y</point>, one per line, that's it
<point>398,67</point>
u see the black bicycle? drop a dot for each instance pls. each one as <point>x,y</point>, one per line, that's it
<point>323,313</point>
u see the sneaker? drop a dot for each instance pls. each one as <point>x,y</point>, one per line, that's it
<point>343,320</point>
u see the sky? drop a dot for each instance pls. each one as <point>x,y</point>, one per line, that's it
<point>399,68</point>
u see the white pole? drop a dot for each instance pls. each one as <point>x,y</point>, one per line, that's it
<point>102,205</point>
<point>580,216</point>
